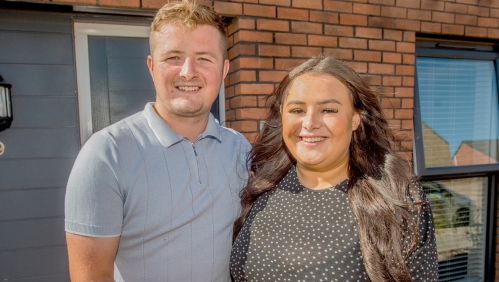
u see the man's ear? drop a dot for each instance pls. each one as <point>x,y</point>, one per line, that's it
<point>150,65</point>
<point>226,68</point>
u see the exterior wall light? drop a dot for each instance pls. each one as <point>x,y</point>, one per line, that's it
<point>5,105</point>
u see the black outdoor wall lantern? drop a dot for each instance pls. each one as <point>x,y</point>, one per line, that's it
<point>5,105</point>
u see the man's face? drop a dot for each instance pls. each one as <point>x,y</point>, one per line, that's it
<point>187,68</point>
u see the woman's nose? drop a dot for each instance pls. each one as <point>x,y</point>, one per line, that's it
<point>311,121</point>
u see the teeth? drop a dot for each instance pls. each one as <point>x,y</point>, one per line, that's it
<point>188,88</point>
<point>312,139</point>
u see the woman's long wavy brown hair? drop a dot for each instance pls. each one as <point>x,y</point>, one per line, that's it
<point>380,192</point>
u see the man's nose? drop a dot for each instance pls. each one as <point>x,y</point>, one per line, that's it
<point>188,71</point>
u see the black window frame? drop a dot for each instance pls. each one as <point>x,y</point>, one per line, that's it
<point>459,49</point>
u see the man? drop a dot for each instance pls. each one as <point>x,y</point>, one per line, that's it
<point>154,196</point>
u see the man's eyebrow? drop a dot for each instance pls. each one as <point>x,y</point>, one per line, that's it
<point>209,53</point>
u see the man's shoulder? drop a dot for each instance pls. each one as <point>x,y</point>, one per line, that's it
<point>231,134</point>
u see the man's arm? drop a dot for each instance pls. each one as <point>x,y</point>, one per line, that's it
<point>91,258</point>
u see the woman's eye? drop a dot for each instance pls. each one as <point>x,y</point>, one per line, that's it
<point>330,111</point>
<point>296,111</point>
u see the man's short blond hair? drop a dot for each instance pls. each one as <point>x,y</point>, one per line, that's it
<point>188,14</point>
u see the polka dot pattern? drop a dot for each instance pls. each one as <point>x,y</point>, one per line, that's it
<point>293,233</point>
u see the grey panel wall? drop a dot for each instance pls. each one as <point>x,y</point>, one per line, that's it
<point>37,58</point>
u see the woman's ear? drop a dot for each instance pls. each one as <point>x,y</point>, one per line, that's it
<point>355,121</point>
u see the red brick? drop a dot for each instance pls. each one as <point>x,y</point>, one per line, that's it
<point>408,3</point>
<point>275,25</point>
<point>338,6</point>
<point>271,76</point>
<point>292,14</point>
<point>251,137</point>
<point>242,49</point>
<point>242,101</point>
<point>466,19</point>
<point>276,2</point>
<point>251,113</point>
<point>406,92</point>
<point>246,88</point>
<point>365,32</point>
<point>408,59</point>
<point>242,76</point>
<point>253,36</point>
<point>452,29</point>
<point>307,4</point>
<point>408,103</point>
<point>382,2</point>
<point>252,63</point>
<point>229,114</point>
<point>478,11</point>
<point>456,8</point>
<point>241,23</point>
<point>394,58</point>
<point>262,100</point>
<point>395,124</point>
<point>492,4</point>
<point>419,15</point>
<point>488,22</point>
<point>381,22</point>
<point>324,17</point>
<point>366,9</point>
<point>431,27</point>
<point>494,13</point>
<point>120,3</point>
<point>371,79</point>
<point>287,64</point>
<point>409,36</point>
<point>359,67</point>
<point>403,113</point>
<point>394,12</point>
<point>404,70</point>
<point>368,56</point>
<point>476,31</point>
<point>305,52</point>
<point>306,27</point>
<point>274,50</point>
<point>347,19</point>
<point>291,38</point>
<point>432,5</point>
<point>244,125</point>
<point>341,54</point>
<point>321,40</point>
<point>442,17</point>
<point>493,33</point>
<point>396,35</point>
<point>355,43</point>
<point>381,68</point>
<point>338,30</point>
<point>382,45</point>
<point>225,8</point>
<point>408,81</point>
<point>388,113</point>
<point>408,24</point>
<point>390,103</point>
<point>472,2</point>
<point>406,47</point>
<point>259,10</point>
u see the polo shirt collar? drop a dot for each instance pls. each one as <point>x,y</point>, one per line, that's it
<point>167,137</point>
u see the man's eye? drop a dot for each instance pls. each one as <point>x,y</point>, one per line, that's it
<point>173,58</point>
<point>205,59</point>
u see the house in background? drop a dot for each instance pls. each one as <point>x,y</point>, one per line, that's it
<point>76,66</point>
<point>476,152</point>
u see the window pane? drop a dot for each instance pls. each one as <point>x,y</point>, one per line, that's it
<point>459,111</point>
<point>459,213</point>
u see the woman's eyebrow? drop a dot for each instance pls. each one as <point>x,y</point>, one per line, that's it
<point>328,101</point>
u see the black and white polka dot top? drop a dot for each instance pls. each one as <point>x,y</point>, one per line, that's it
<point>293,233</point>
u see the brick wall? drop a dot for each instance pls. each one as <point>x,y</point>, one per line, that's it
<point>375,37</point>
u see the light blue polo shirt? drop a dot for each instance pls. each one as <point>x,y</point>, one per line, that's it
<point>173,202</point>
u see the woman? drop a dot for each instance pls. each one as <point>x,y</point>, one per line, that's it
<point>328,198</point>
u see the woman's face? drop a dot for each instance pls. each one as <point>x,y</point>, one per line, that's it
<point>317,121</point>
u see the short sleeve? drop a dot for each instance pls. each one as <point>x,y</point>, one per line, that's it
<point>423,262</point>
<point>94,201</point>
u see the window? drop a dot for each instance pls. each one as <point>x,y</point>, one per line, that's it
<point>456,135</point>
<point>113,79</point>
